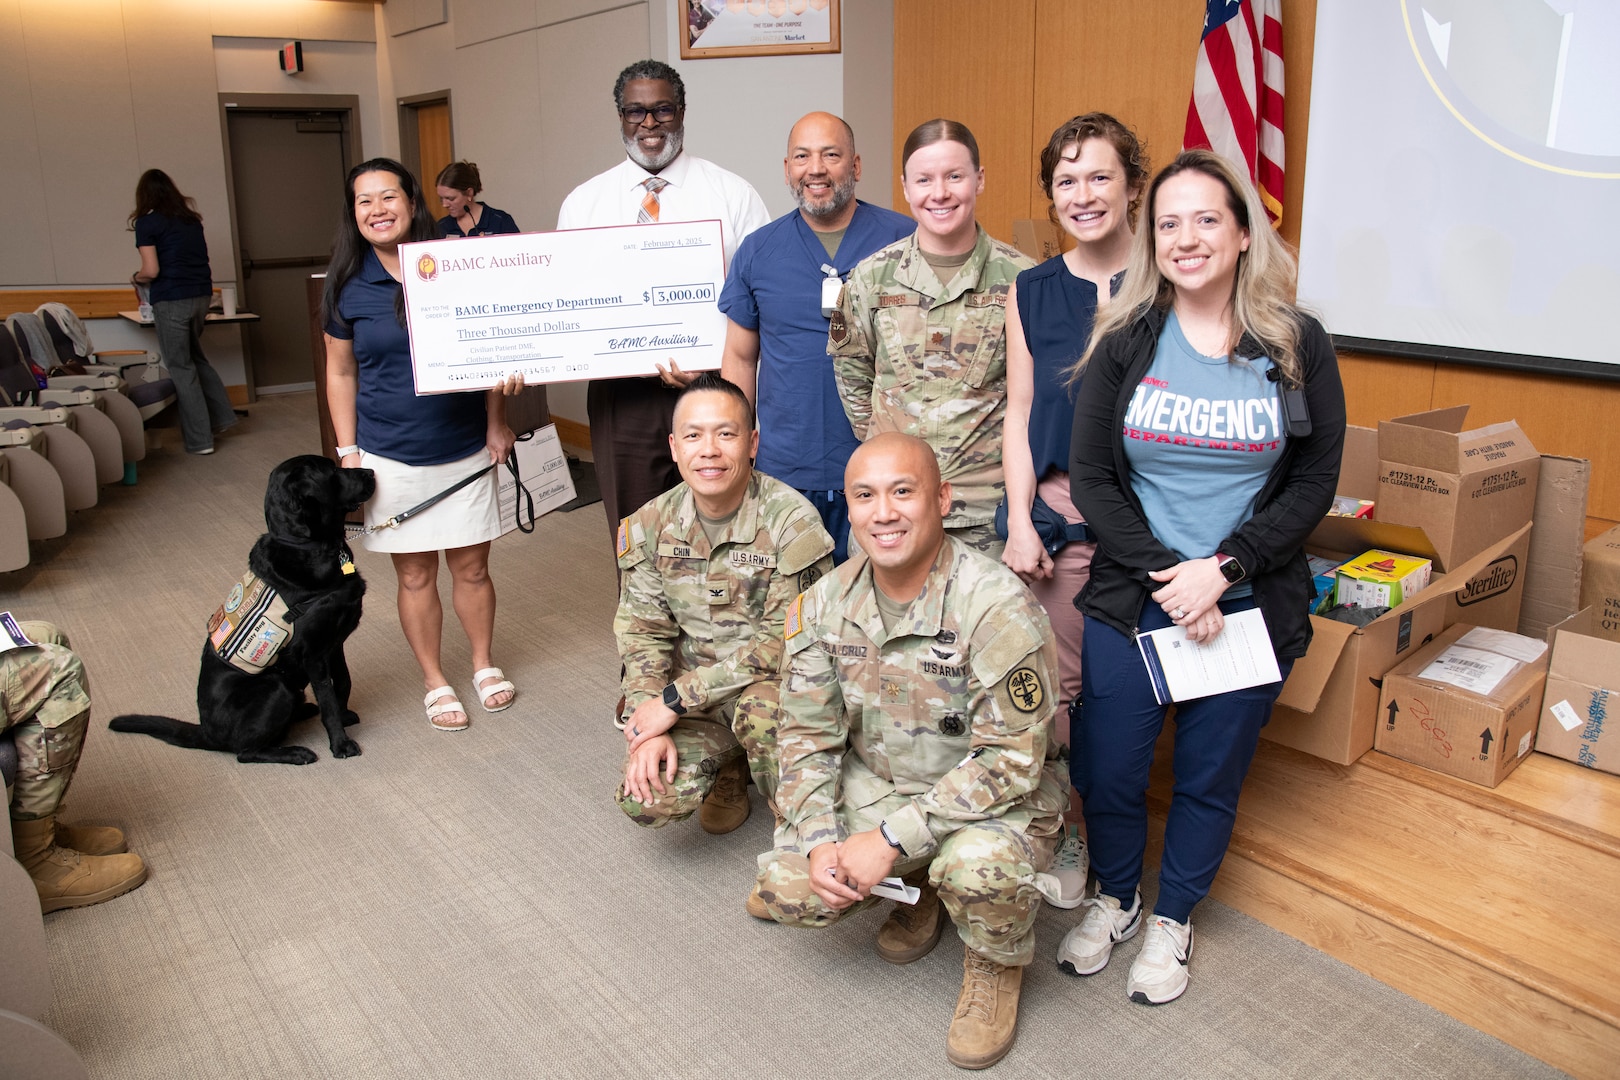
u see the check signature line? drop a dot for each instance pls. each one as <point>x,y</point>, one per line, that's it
<point>670,348</point>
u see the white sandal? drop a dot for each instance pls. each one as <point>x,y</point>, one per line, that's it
<point>437,708</point>
<point>487,692</point>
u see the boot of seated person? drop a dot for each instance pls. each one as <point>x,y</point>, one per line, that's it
<point>65,878</point>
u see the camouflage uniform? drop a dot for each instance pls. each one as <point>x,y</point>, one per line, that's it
<point>711,623</point>
<point>46,699</point>
<point>929,360</point>
<point>942,729</point>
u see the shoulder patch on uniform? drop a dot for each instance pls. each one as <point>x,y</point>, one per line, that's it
<point>838,327</point>
<point>808,577</point>
<point>1025,689</point>
<point>623,547</point>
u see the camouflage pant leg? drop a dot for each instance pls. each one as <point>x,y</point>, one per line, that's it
<point>47,712</point>
<point>754,721</point>
<point>986,877</point>
<point>702,745</point>
<point>981,538</point>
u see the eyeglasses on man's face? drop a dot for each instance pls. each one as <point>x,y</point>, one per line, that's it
<point>637,114</point>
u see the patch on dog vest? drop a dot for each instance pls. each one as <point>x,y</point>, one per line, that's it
<point>253,625</point>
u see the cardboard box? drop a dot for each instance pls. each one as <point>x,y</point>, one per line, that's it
<point>1583,686</point>
<point>1600,583</point>
<point>1465,489</point>
<point>1552,573</point>
<point>1479,736</point>
<point>1380,578</point>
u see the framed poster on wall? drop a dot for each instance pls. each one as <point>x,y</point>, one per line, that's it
<point>712,28</point>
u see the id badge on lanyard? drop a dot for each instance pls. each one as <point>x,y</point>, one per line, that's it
<point>831,286</point>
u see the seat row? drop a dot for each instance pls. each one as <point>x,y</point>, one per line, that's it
<point>72,418</point>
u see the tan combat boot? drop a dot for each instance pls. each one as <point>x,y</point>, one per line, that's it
<point>89,839</point>
<point>986,1021</point>
<point>726,806</point>
<point>64,878</point>
<point>912,930</point>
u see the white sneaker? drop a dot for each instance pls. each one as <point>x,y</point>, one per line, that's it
<point>1063,884</point>
<point>1086,948</point>
<point>1160,974</point>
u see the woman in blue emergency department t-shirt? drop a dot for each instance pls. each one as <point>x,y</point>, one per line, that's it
<point>1207,435</point>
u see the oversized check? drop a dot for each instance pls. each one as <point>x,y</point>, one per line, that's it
<point>553,307</point>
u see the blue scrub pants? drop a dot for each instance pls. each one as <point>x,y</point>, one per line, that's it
<point>834,513</point>
<point>1112,752</point>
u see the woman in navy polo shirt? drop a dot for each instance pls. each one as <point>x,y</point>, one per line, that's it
<point>174,263</point>
<point>417,446</point>
<point>458,187</point>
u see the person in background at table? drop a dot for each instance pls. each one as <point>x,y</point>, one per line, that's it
<point>919,340</point>
<point>174,265</point>
<point>458,187</point>
<point>783,282</point>
<point>417,446</point>
<point>1094,170</point>
<point>657,181</point>
<point>1207,435</point>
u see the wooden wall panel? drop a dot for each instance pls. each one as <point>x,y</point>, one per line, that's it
<point>1379,387</point>
<point>974,62</point>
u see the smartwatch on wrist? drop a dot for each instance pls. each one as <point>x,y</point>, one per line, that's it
<point>883,829</point>
<point>672,700</point>
<point>1231,569</point>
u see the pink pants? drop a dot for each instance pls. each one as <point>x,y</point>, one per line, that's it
<point>1071,569</point>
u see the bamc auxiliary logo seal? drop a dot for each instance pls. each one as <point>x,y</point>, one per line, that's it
<point>426,268</point>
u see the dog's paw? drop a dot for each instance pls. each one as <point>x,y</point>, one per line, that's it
<point>346,748</point>
<point>350,717</point>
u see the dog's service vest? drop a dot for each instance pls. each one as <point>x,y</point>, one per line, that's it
<point>252,626</point>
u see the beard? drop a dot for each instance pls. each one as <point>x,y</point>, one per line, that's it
<point>842,194</point>
<point>673,142</point>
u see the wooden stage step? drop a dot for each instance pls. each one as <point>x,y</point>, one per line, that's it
<point>1498,907</point>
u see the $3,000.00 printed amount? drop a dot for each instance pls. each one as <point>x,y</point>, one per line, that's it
<point>556,307</point>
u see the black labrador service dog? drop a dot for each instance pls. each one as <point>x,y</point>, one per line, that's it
<point>282,628</point>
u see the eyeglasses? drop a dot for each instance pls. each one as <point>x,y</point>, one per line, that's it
<point>637,115</point>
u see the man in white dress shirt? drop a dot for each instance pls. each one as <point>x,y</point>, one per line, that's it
<point>658,181</point>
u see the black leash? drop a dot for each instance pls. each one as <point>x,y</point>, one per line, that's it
<point>524,500</point>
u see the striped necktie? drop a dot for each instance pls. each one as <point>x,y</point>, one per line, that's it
<point>649,201</point>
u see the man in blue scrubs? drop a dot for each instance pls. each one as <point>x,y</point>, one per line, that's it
<point>781,291</point>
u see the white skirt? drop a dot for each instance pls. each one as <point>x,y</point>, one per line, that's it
<point>470,516</point>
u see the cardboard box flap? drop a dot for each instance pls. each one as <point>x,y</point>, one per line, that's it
<point>1577,653</point>
<point>1463,581</point>
<point>1349,537</point>
<point>1552,571</point>
<point>1427,440</point>
<point>1305,684</point>
<point>1358,466</point>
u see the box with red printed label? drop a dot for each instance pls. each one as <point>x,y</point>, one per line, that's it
<point>1466,705</point>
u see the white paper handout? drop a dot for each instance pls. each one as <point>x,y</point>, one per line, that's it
<point>11,635</point>
<point>544,469</point>
<point>1240,656</point>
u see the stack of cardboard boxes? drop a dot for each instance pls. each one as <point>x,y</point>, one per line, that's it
<point>1443,679</point>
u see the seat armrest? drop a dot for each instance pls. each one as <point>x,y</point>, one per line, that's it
<point>34,415</point>
<point>82,382</point>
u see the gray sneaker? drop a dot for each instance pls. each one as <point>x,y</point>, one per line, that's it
<point>1063,884</point>
<point>1159,974</point>
<point>1085,949</point>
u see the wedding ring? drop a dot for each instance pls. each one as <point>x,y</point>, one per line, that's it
<point>1179,613</point>
<point>635,731</point>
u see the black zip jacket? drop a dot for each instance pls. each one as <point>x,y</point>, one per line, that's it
<point>1269,546</point>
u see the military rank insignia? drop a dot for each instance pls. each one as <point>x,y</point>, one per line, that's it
<point>1025,689</point>
<point>795,619</point>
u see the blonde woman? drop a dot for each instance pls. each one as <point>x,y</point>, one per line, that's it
<point>1207,433</point>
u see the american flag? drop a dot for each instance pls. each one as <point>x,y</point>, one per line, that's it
<point>1237,99</point>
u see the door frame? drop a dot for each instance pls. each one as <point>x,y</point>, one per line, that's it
<point>347,104</point>
<point>410,143</point>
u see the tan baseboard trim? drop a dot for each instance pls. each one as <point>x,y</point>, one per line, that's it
<point>572,432</point>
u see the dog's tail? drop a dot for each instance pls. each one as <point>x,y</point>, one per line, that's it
<point>167,728</point>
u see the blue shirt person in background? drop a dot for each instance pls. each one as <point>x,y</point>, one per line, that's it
<point>777,301</point>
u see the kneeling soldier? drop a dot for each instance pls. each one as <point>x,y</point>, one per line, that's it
<point>708,570</point>
<point>915,740</point>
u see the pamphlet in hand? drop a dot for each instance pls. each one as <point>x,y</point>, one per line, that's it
<point>1239,657</point>
<point>11,635</point>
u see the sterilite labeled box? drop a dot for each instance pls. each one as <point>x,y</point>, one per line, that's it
<point>1479,727</point>
<point>1465,489</point>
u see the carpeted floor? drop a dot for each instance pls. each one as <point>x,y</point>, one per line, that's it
<point>474,905</point>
